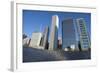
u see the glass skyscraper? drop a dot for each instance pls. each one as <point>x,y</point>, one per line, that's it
<point>69,35</point>
<point>83,36</point>
<point>54,33</point>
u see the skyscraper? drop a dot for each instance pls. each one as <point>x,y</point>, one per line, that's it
<point>45,38</point>
<point>83,36</point>
<point>69,35</point>
<point>54,33</point>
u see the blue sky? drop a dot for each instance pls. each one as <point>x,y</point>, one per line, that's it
<point>37,20</point>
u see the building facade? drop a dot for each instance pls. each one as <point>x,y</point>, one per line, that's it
<point>26,42</point>
<point>35,40</point>
<point>69,35</point>
<point>54,33</point>
<point>44,41</point>
<point>83,35</point>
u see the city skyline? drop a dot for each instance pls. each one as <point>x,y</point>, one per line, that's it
<point>37,20</point>
<point>42,30</point>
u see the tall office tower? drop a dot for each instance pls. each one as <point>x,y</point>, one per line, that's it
<point>45,38</point>
<point>83,36</point>
<point>35,40</point>
<point>54,33</point>
<point>69,35</point>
